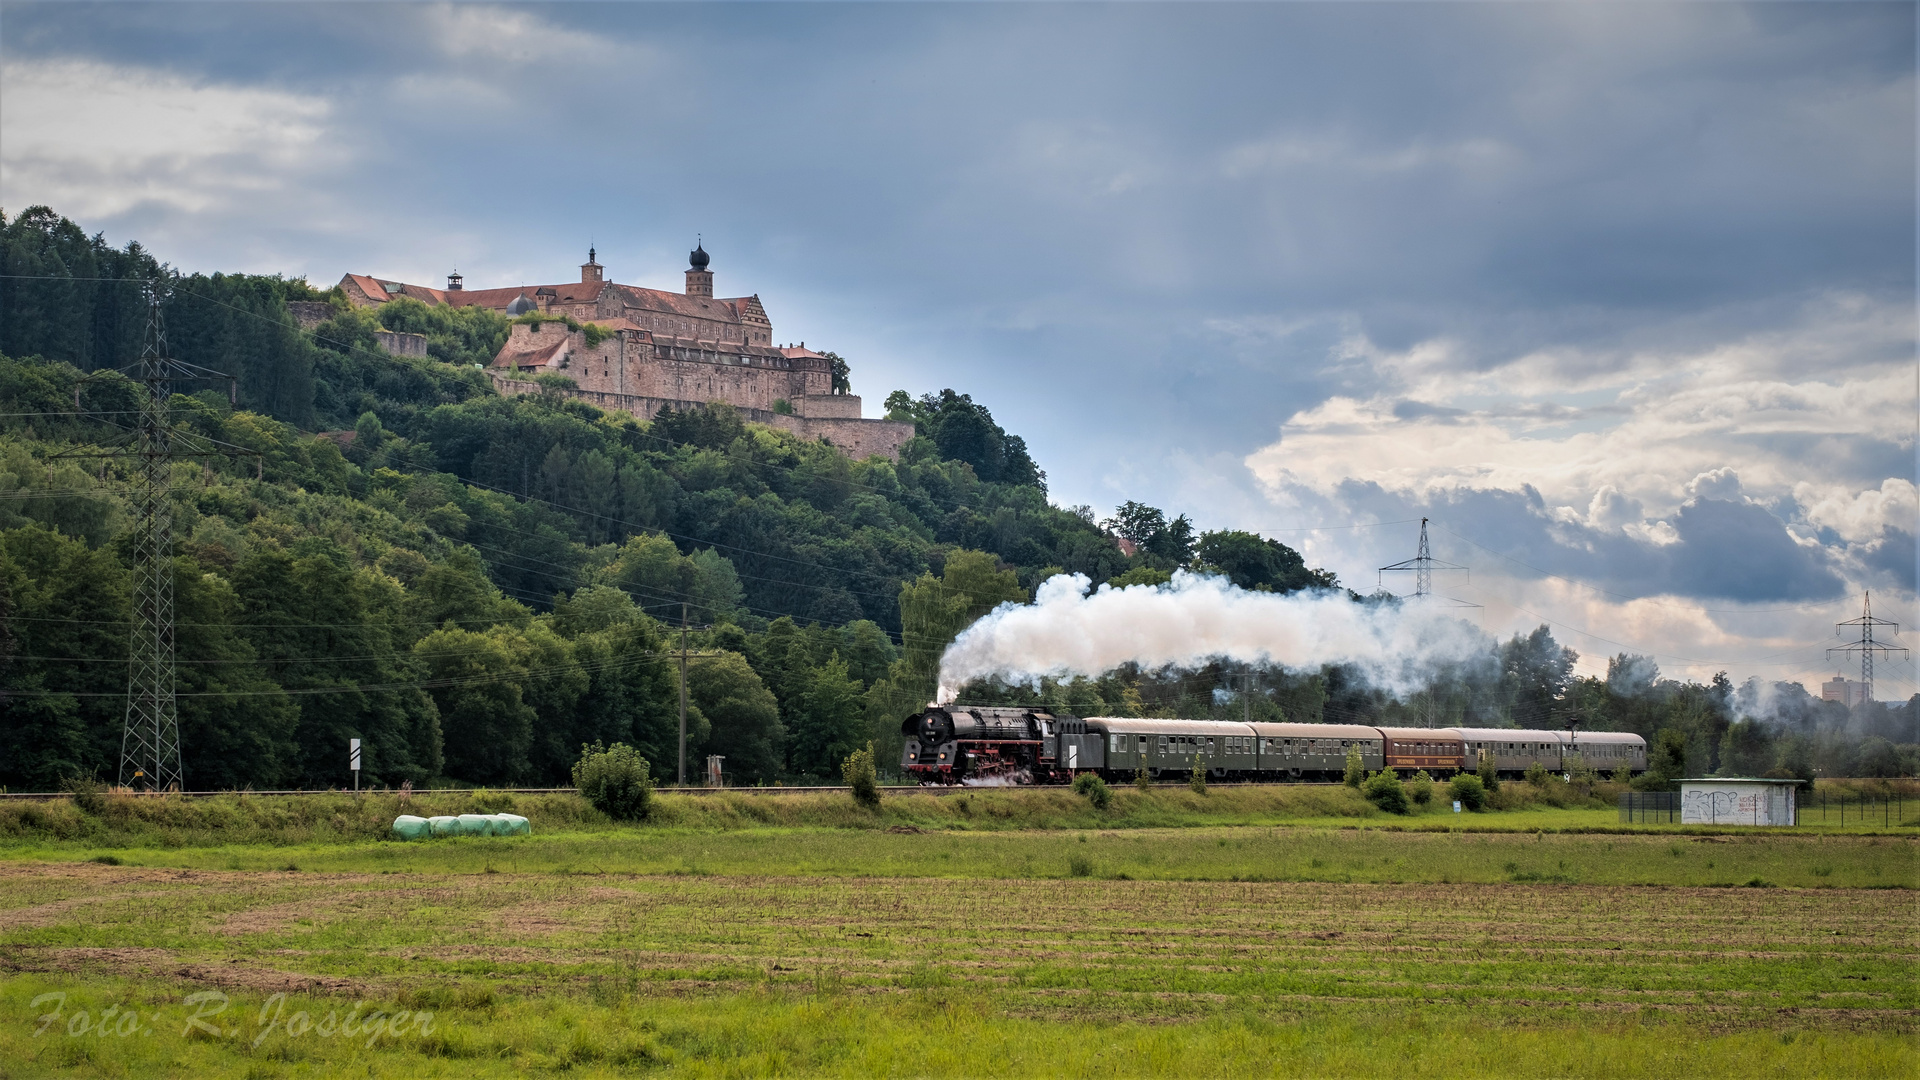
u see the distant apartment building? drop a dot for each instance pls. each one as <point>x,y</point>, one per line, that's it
<point>1844,690</point>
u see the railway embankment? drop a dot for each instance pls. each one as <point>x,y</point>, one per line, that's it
<point>106,820</point>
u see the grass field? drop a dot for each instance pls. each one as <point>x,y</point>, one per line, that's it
<point>795,949</point>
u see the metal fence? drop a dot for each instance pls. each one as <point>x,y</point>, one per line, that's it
<point>1852,808</point>
<point>1650,807</point>
<point>1839,807</point>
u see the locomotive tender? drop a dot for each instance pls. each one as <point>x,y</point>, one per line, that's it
<point>954,744</point>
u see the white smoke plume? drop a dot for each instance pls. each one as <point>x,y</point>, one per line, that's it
<point>1193,620</point>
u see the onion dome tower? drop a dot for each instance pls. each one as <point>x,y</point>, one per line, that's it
<point>699,278</point>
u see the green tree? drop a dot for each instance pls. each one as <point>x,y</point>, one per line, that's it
<point>1535,672</point>
<point>632,696</point>
<point>337,637</point>
<point>1666,760</point>
<point>1467,790</point>
<point>1356,770</point>
<point>742,714</point>
<point>482,705</point>
<point>1384,790</point>
<point>61,718</point>
<point>857,770</point>
<point>1255,562</point>
<point>1420,788</point>
<point>236,724</point>
<point>829,724</point>
<point>1488,772</point>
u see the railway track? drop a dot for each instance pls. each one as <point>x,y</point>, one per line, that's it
<point>891,789</point>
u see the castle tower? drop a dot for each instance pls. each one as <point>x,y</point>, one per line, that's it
<point>591,270</point>
<point>699,278</point>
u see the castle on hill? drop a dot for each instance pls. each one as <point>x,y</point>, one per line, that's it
<point>650,349</point>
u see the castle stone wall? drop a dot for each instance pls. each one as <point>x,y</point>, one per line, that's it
<point>858,438</point>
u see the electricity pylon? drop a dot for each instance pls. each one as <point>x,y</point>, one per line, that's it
<point>150,746</point>
<point>1866,646</point>
<point>1422,566</point>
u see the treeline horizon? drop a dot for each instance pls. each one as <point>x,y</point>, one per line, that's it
<point>477,586</point>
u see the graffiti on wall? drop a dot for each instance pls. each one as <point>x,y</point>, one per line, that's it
<point>1705,807</point>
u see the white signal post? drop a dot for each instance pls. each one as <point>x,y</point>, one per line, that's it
<point>353,762</point>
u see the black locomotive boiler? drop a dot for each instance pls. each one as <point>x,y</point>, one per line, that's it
<point>989,745</point>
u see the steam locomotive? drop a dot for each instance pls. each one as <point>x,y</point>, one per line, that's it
<point>1000,745</point>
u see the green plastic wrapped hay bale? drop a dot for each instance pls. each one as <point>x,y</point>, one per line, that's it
<point>408,827</point>
<point>475,825</point>
<point>444,826</point>
<point>511,825</point>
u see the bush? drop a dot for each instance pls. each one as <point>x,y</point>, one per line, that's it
<point>1421,787</point>
<point>616,780</point>
<point>1094,788</point>
<point>1537,775</point>
<point>859,774</point>
<point>1356,772</point>
<point>1198,781</point>
<point>1140,778</point>
<point>1384,790</point>
<point>1469,791</point>
<point>89,795</point>
<point>1489,773</point>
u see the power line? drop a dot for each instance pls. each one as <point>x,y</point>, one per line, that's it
<point>150,743</point>
<point>1867,647</point>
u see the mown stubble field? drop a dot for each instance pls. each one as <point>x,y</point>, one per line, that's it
<point>901,954</point>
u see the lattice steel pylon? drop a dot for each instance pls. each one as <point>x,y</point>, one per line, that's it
<point>1422,565</point>
<point>1866,646</point>
<point>150,755</point>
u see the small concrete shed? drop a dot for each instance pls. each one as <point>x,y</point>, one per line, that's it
<point>1738,800</point>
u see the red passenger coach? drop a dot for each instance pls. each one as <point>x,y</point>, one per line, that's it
<point>1440,751</point>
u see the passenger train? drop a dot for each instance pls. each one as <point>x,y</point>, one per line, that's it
<point>974,744</point>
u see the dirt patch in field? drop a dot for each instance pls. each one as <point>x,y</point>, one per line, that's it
<point>165,963</point>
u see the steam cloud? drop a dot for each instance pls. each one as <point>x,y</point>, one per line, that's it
<point>1192,620</point>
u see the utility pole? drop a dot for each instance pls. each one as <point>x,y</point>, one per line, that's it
<point>150,755</point>
<point>683,695</point>
<point>1866,646</point>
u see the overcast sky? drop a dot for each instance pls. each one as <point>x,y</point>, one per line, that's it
<point>1622,296</point>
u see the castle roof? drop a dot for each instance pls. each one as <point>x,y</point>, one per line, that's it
<point>732,309</point>
<point>542,355</point>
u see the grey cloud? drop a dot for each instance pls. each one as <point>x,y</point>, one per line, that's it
<point>1726,551</point>
<point>1050,206</point>
<point>1420,410</point>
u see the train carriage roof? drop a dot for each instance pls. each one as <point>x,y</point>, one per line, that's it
<point>1601,738</point>
<point>1564,738</point>
<point>1118,725</point>
<point>1481,734</point>
<point>1315,731</point>
<point>1422,734</point>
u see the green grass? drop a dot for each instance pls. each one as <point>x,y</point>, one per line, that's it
<point>735,974</point>
<point>1348,855</point>
<point>1289,932</point>
<point>130,822</point>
